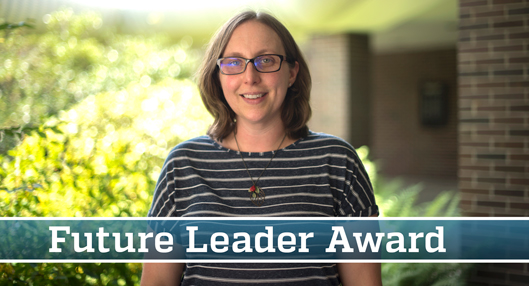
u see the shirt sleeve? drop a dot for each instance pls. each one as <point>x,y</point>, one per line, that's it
<point>358,198</point>
<point>164,194</point>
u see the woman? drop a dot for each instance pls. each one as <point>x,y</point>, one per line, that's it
<point>260,159</point>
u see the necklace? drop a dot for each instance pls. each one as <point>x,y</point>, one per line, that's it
<point>257,195</point>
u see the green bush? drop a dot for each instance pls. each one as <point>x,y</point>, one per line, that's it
<point>105,111</point>
<point>104,154</point>
<point>44,73</point>
<point>396,200</point>
<point>70,274</point>
<point>104,161</point>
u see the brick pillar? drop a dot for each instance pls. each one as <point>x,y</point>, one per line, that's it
<point>494,119</point>
<point>339,66</point>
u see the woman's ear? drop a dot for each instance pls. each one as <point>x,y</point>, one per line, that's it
<point>293,73</point>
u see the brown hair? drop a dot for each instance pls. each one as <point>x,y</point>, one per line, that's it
<point>296,109</point>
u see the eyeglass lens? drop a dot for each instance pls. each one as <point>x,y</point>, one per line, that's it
<point>265,63</point>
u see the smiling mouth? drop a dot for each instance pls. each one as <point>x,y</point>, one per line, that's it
<point>253,96</point>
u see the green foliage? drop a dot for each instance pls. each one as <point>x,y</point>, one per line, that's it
<point>102,158</point>
<point>105,154</point>
<point>108,152</point>
<point>420,274</point>
<point>44,73</point>
<point>11,26</point>
<point>104,161</point>
<point>70,274</point>
<point>122,102</point>
<point>395,200</point>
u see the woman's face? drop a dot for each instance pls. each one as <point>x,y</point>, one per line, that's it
<point>256,97</point>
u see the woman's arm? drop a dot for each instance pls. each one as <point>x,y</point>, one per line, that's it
<point>352,274</point>
<point>161,274</point>
<point>365,274</point>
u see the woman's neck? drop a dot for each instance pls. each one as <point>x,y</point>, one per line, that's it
<point>257,138</point>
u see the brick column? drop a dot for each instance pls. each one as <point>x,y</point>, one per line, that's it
<point>339,66</point>
<point>494,119</point>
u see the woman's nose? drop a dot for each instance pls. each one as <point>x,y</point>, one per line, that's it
<point>251,75</point>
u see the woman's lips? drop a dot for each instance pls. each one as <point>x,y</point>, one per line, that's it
<point>252,95</point>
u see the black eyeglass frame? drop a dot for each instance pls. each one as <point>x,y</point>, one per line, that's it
<point>281,57</point>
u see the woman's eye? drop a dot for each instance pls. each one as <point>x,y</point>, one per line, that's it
<point>234,63</point>
<point>266,61</point>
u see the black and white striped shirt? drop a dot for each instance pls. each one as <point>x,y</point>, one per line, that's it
<point>320,175</point>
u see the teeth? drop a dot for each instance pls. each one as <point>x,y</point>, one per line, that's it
<point>253,96</point>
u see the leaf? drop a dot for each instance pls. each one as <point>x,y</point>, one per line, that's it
<point>435,207</point>
<point>90,273</point>
<point>56,130</point>
<point>6,25</point>
<point>25,24</point>
<point>41,134</point>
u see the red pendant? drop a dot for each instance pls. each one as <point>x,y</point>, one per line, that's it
<point>257,195</point>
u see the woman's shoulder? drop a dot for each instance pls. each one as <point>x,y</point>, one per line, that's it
<point>198,144</point>
<point>203,141</point>
<point>324,140</point>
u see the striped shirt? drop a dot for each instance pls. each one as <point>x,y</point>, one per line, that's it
<point>319,175</point>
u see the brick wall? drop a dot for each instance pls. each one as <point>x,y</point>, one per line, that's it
<point>329,83</point>
<point>339,66</point>
<point>493,53</point>
<point>402,144</point>
<point>493,107</point>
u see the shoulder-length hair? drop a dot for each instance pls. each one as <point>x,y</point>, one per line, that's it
<point>296,109</point>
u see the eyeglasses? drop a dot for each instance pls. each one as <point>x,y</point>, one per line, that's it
<point>263,63</point>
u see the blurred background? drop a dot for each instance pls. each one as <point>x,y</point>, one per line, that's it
<point>433,93</point>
